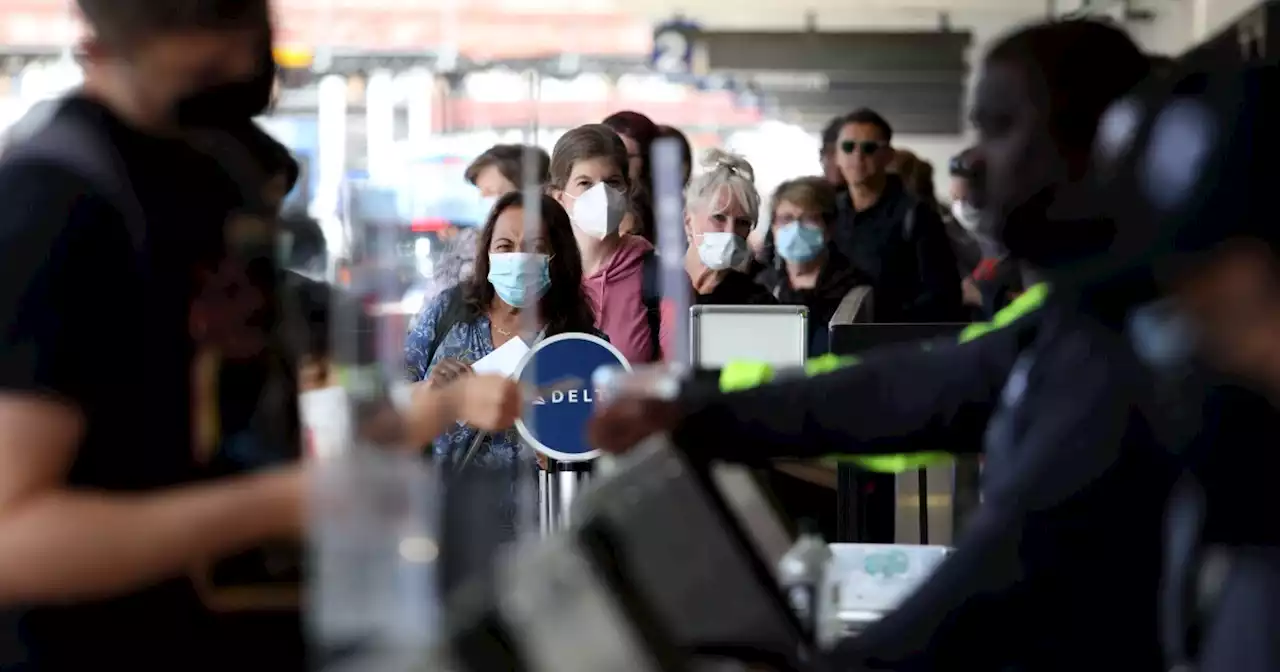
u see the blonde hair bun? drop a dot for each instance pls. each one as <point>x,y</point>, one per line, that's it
<point>719,159</point>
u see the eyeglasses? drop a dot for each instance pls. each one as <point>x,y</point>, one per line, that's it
<point>866,147</point>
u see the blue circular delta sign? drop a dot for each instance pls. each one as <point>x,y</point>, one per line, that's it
<point>556,422</point>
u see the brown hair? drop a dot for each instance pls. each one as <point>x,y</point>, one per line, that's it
<point>641,129</point>
<point>565,306</point>
<point>903,162</point>
<point>686,149</point>
<point>641,208</point>
<point>810,193</point>
<point>916,174</point>
<point>126,21</point>
<point>510,162</point>
<point>593,141</point>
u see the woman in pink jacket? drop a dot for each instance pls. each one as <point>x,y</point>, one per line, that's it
<point>589,178</point>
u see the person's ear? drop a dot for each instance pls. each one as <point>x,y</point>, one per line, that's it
<point>92,49</point>
<point>561,197</point>
<point>688,227</point>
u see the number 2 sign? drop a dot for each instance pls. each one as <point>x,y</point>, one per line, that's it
<point>673,48</point>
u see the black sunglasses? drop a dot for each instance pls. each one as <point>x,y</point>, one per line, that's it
<point>866,147</point>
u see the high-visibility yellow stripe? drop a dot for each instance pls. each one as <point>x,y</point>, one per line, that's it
<point>1026,303</point>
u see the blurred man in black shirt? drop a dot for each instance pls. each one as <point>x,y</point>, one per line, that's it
<point>100,517</point>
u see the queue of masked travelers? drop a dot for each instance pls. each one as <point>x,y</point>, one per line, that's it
<point>593,266</point>
<point>874,221</point>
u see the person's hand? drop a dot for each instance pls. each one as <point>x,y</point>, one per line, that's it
<point>704,280</point>
<point>970,292</point>
<point>756,243</point>
<point>626,422</point>
<point>489,403</point>
<point>448,370</point>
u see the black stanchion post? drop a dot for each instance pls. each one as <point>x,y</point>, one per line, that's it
<point>922,499</point>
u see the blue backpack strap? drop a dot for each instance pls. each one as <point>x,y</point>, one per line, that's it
<point>651,295</point>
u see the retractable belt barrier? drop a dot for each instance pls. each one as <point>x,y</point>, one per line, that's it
<point>560,369</point>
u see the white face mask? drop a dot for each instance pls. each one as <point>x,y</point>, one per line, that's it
<point>971,219</point>
<point>722,250</point>
<point>599,211</point>
<point>968,216</point>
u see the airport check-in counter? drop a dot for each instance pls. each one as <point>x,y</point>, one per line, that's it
<point>891,514</point>
<point>665,563</point>
<point>924,506</point>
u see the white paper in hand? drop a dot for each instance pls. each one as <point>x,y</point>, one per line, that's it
<point>326,422</point>
<point>504,360</point>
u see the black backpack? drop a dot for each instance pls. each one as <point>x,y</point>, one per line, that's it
<point>455,312</point>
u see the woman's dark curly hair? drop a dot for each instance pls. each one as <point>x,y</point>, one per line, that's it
<point>566,307</point>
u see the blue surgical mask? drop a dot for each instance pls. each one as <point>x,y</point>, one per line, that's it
<point>514,274</point>
<point>798,243</point>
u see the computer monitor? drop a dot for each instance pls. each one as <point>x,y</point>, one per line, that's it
<point>663,523</point>
<point>775,335</point>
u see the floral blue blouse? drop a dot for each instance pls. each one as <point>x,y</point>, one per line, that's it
<point>469,342</point>
<point>466,342</point>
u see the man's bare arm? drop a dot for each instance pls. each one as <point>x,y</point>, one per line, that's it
<point>487,402</point>
<point>61,544</point>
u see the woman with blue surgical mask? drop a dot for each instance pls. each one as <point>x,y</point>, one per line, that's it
<point>812,273</point>
<point>589,178</point>
<point>501,169</point>
<point>514,272</point>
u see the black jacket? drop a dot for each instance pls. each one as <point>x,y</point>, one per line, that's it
<point>1059,569</point>
<point>835,280</point>
<point>736,289</point>
<point>903,246</point>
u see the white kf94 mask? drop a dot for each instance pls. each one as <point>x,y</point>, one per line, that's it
<point>599,211</point>
<point>722,250</point>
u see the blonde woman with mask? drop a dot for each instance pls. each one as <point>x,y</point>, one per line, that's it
<point>722,206</point>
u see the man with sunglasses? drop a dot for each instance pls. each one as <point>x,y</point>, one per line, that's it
<point>897,240</point>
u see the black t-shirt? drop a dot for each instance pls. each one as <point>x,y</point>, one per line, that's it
<point>736,289</point>
<point>94,318</point>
